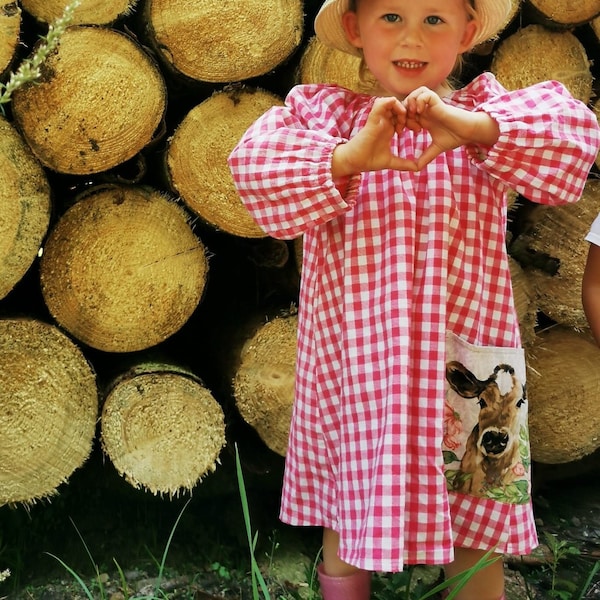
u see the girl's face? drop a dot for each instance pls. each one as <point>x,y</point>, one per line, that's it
<point>410,43</point>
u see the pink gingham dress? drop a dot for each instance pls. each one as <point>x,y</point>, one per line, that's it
<point>393,263</point>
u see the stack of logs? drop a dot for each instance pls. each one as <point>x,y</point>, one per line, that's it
<point>142,308</point>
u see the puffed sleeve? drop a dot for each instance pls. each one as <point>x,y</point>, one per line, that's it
<point>548,140</point>
<point>282,165</point>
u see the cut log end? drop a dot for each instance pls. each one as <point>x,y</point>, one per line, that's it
<point>535,54</point>
<point>563,384</point>
<point>563,13</point>
<point>87,13</point>
<point>219,42</point>
<point>263,385</point>
<point>122,270</point>
<point>99,102</point>
<point>162,430</point>
<point>48,410</point>
<point>322,64</point>
<point>24,205</point>
<point>197,157</point>
<point>554,252</point>
<point>10,31</point>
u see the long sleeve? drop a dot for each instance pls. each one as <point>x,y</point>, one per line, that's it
<point>548,140</point>
<point>282,165</point>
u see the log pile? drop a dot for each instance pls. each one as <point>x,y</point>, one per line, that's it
<point>136,290</point>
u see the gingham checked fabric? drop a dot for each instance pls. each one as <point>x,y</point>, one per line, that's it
<point>392,260</point>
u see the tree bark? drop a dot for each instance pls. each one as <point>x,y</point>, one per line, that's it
<point>122,269</point>
<point>98,103</point>
<point>48,409</point>
<point>162,428</point>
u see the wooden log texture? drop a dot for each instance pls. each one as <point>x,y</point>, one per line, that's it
<point>89,12</point>
<point>263,385</point>
<point>162,428</point>
<point>222,42</point>
<point>563,387</point>
<point>10,34</point>
<point>24,207</point>
<point>99,102</point>
<point>563,13</point>
<point>554,252</point>
<point>525,302</point>
<point>122,269</point>
<point>322,64</point>
<point>535,54</point>
<point>196,158</point>
<point>48,410</point>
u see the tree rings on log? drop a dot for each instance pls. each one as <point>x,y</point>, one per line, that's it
<point>89,12</point>
<point>535,54</point>
<point>48,409</point>
<point>563,387</point>
<point>10,31</point>
<point>197,154</point>
<point>221,42</point>
<point>24,207</point>
<point>162,429</point>
<point>554,253</point>
<point>122,269</point>
<point>563,13</point>
<point>98,103</point>
<point>322,64</point>
<point>263,385</point>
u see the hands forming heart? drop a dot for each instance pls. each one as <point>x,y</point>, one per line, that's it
<point>449,127</point>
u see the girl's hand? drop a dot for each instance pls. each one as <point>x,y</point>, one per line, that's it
<point>449,126</point>
<point>369,149</point>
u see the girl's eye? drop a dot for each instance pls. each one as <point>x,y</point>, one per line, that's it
<point>433,20</point>
<point>391,18</point>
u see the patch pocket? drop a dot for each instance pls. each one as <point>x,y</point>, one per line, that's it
<point>486,438</point>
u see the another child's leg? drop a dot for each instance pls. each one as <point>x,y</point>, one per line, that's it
<point>486,584</point>
<point>338,579</point>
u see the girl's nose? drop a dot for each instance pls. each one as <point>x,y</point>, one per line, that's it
<point>410,35</point>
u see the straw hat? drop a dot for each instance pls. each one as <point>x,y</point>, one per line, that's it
<point>493,15</point>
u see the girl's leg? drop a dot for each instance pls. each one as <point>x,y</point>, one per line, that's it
<point>486,584</point>
<point>338,579</point>
<point>332,564</point>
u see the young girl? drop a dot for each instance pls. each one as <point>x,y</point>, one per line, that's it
<point>408,441</point>
<point>590,288</point>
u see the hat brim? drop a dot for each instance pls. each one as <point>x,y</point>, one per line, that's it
<point>492,17</point>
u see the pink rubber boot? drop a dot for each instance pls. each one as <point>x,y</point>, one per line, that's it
<point>351,587</point>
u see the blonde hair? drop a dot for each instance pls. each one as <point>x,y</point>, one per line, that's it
<point>366,79</point>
